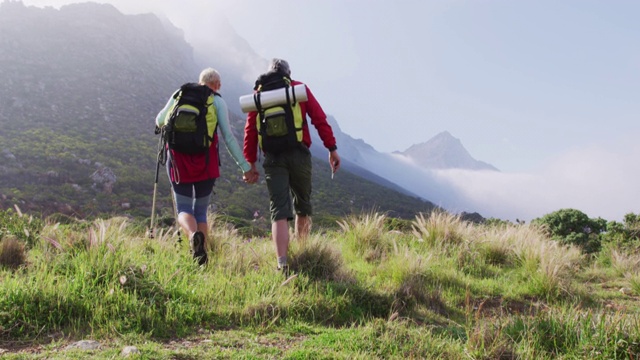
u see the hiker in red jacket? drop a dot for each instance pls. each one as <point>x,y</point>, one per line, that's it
<point>288,173</point>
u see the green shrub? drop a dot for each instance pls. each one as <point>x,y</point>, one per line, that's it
<point>571,226</point>
<point>625,234</point>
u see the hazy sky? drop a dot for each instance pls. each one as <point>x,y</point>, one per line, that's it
<point>533,87</point>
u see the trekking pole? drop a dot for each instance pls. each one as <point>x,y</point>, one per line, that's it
<point>155,184</point>
<point>153,203</point>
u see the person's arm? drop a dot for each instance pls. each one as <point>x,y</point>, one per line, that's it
<point>250,149</point>
<point>229,140</point>
<point>162,115</point>
<point>319,121</point>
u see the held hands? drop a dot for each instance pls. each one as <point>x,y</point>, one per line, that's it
<point>251,176</point>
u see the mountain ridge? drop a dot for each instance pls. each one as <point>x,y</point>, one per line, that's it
<point>89,148</point>
<point>444,151</point>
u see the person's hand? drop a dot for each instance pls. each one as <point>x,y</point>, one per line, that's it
<point>334,161</point>
<point>256,174</point>
<point>251,176</point>
<point>247,177</point>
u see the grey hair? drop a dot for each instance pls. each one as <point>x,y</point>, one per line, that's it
<point>209,76</point>
<point>280,65</point>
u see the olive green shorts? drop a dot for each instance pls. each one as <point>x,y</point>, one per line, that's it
<point>288,176</point>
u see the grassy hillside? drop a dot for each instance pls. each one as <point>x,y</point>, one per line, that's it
<point>431,288</point>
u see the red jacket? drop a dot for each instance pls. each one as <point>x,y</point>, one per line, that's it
<point>194,168</point>
<point>311,107</point>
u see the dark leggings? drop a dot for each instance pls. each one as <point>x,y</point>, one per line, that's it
<point>193,198</point>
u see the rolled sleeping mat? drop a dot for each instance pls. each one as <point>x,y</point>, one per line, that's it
<point>273,97</point>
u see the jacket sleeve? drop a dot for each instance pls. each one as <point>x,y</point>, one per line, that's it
<point>225,130</point>
<point>251,138</point>
<point>162,115</point>
<point>319,120</point>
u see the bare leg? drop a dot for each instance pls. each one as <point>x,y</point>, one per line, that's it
<point>190,227</point>
<point>280,235</point>
<point>303,227</point>
<point>204,227</point>
<point>188,224</point>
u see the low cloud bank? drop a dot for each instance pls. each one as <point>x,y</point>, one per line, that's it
<point>599,181</point>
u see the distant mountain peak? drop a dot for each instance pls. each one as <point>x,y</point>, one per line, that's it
<point>444,151</point>
<point>444,134</point>
<point>444,139</point>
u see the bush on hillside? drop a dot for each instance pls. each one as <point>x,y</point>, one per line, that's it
<point>625,234</point>
<point>571,226</point>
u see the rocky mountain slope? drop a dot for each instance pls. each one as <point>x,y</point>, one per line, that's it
<point>79,90</point>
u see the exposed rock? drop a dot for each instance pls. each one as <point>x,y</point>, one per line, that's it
<point>8,154</point>
<point>84,345</point>
<point>129,350</point>
<point>64,208</point>
<point>625,291</point>
<point>51,177</point>
<point>105,178</point>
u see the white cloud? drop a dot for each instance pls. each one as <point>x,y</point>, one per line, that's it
<point>598,181</point>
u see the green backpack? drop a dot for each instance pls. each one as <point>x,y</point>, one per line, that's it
<point>192,121</point>
<point>280,126</point>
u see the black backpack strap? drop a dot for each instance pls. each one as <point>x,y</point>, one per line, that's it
<point>257,101</point>
<point>286,91</point>
<point>293,93</point>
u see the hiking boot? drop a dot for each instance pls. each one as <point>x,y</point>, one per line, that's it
<point>197,248</point>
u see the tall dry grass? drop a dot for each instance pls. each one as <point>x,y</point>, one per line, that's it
<point>440,229</point>
<point>12,253</point>
<point>365,234</point>
<point>549,263</point>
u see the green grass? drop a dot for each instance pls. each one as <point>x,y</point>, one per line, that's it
<point>440,289</point>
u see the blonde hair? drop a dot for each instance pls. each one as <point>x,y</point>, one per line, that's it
<point>209,76</point>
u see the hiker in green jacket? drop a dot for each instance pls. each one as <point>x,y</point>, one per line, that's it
<point>193,176</point>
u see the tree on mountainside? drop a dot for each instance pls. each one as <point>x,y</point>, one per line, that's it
<point>571,226</point>
<point>626,233</point>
